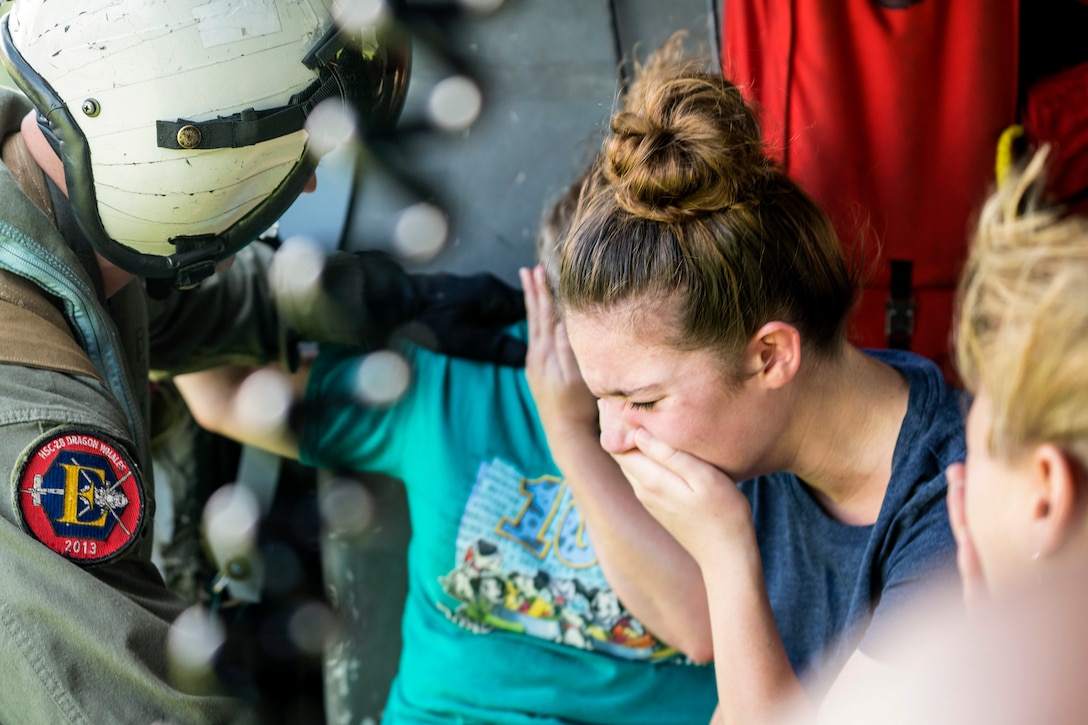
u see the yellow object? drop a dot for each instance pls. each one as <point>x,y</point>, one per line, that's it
<point>1005,158</point>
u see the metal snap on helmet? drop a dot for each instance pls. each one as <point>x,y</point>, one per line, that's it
<point>181,122</point>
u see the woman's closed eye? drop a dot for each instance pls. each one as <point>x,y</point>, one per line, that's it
<point>642,405</point>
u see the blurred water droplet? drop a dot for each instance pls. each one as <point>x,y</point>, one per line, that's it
<point>296,268</point>
<point>347,507</point>
<point>263,400</point>
<point>311,627</point>
<point>354,15</point>
<point>230,521</point>
<point>454,103</point>
<point>421,232</point>
<point>193,639</point>
<point>382,378</point>
<point>329,125</point>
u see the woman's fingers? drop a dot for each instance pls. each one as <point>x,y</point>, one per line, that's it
<point>695,471</point>
<point>548,339</point>
<point>647,476</point>
<point>539,316</point>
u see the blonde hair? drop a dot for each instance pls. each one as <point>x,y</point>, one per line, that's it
<point>1022,322</point>
<point>685,206</point>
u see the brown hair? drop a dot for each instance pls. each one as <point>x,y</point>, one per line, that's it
<point>1022,324</point>
<point>554,225</point>
<point>685,205</point>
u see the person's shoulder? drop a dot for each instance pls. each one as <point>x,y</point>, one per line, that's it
<point>933,429</point>
<point>930,392</point>
<point>47,413</point>
<point>905,361</point>
<point>37,394</point>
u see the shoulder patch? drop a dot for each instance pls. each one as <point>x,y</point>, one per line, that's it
<point>80,494</point>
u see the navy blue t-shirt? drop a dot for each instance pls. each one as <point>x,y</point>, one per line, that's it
<point>832,586</point>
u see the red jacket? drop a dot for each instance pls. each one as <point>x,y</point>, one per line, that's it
<point>889,118</point>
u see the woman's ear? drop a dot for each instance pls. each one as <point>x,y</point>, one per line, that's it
<point>1056,506</point>
<point>774,354</point>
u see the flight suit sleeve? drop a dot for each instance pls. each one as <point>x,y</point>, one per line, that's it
<point>85,618</point>
<point>229,319</point>
<point>88,646</point>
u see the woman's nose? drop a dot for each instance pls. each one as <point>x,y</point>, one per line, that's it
<point>617,435</point>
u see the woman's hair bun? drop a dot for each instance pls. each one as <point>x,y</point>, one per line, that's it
<point>685,143</point>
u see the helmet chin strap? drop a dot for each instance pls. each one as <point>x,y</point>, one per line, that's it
<point>196,258</point>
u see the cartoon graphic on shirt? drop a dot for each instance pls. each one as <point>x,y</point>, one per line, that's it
<point>525,564</point>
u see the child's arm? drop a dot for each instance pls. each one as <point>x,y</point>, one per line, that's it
<point>246,404</point>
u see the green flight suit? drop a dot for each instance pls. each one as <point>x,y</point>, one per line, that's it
<point>84,642</point>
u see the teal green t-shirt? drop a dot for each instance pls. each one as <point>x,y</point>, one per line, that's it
<point>509,618</point>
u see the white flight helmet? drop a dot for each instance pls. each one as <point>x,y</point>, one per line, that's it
<point>181,122</point>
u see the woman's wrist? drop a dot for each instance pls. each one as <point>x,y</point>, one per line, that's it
<point>573,437</point>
